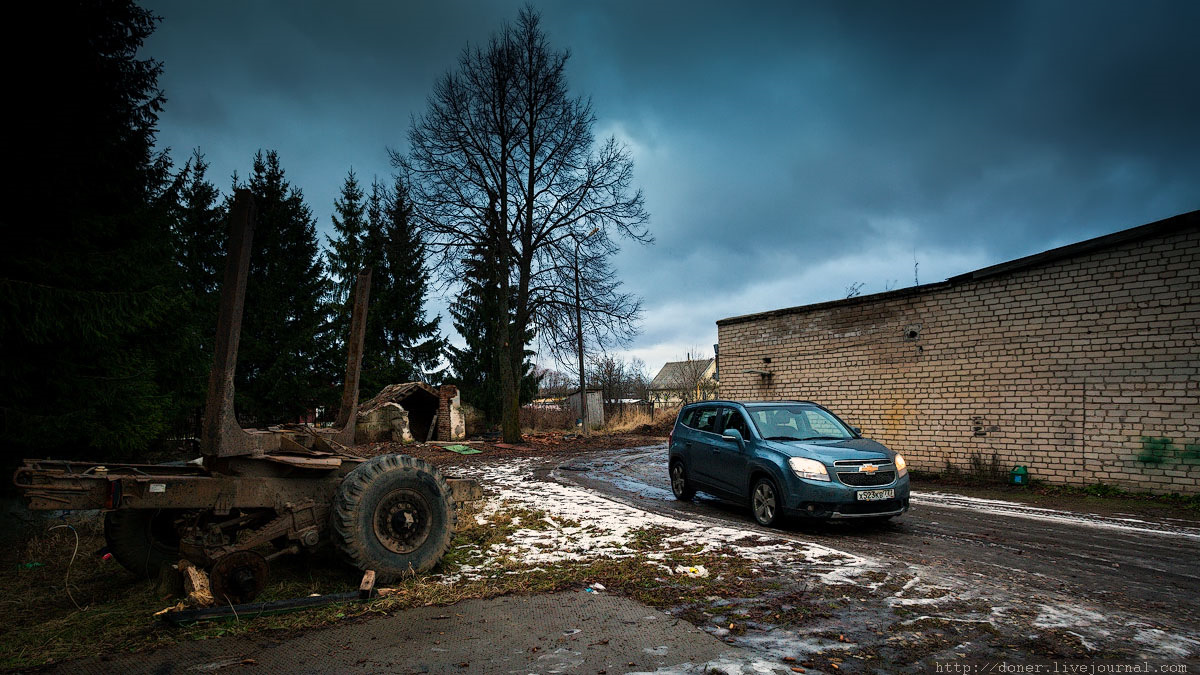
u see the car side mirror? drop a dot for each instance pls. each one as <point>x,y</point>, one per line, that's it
<point>733,435</point>
<point>856,430</point>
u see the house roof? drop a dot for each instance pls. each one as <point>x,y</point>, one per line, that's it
<point>673,371</point>
<point>398,393</point>
<point>1167,226</point>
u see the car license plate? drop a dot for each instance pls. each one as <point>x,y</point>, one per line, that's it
<point>876,495</point>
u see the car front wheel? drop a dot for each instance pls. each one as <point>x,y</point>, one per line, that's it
<point>765,502</point>
<point>679,483</point>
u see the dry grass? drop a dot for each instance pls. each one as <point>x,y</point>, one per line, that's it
<point>40,624</point>
<point>628,419</point>
<point>619,419</point>
<point>546,419</point>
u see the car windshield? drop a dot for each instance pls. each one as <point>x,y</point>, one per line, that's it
<point>798,423</point>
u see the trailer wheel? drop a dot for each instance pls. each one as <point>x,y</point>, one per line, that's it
<point>393,514</point>
<point>143,541</point>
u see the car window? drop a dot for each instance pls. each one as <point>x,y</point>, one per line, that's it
<point>797,422</point>
<point>735,420</point>
<point>821,424</point>
<point>688,417</point>
<point>706,419</point>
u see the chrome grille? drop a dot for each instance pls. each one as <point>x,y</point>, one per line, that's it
<point>863,479</point>
<point>881,462</point>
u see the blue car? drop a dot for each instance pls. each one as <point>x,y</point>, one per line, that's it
<point>784,458</point>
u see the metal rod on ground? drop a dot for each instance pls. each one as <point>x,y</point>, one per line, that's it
<point>252,609</point>
<point>366,590</point>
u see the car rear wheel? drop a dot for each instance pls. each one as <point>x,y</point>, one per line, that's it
<point>679,483</point>
<point>765,503</point>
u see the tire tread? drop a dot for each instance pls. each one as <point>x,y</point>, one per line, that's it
<point>347,510</point>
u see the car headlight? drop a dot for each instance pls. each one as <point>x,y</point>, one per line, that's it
<point>808,468</point>
<point>901,465</point>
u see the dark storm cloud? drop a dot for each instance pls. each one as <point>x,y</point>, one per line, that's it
<point>786,149</point>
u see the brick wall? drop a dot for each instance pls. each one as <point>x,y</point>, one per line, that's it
<point>446,394</point>
<point>1086,368</point>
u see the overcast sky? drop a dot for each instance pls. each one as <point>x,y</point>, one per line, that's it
<point>787,150</point>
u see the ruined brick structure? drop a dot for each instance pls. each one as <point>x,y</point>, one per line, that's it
<point>1081,363</point>
<point>450,424</point>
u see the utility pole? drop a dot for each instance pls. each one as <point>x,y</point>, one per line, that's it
<point>579,336</point>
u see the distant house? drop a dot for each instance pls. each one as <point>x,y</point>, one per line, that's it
<point>685,381</point>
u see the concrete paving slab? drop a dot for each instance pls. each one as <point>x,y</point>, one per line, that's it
<point>574,632</point>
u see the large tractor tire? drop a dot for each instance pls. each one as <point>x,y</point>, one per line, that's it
<point>393,514</point>
<point>143,541</point>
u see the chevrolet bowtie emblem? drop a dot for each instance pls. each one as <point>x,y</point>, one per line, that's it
<point>868,468</point>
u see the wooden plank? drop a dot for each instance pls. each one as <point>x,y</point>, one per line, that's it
<point>306,462</point>
<point>367,585</point>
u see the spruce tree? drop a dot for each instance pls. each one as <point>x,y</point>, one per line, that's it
<point>344,258</point>
<point>199,231</point>
<point>474,367</point>
<point>346,249</point>
<point>376,230</point>
<point>411,345</point>
<point>378,355</point>
<point>86,280</point>
<point>288,360</point>
<point>476,314</point>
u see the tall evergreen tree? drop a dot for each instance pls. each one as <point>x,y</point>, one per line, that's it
<point>375,230</point>
<point>476,314</point>
<point>412,342</point>
<point>199,230</point>
<point>86,280</point>
<point>346,249</point>
<point>287,362</point>
<point>379,358</point>
<point>345,258</point>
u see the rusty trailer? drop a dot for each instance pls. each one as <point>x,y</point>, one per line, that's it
<point>255,495</point>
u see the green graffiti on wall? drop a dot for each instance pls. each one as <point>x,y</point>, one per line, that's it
<point>1160,450</point>
<point>1155,449</point>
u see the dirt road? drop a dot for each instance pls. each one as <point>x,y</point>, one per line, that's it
<point>1127,561</point>
<point>1079,570</point>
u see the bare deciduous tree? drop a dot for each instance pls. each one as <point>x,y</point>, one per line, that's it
<point>504,162</point>
<point>607,373</point>
<point>554,383</point>
<point>639,380</point>
<point>691,380</point>
<point>619,379</point>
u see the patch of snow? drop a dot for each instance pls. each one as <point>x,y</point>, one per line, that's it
<point>1083,641</point>
<point>1017,510</point>
<point>904,602</point>
<point>911,582</point>
<point>943,618</point>
<point>606,529</point>
<point>1069,616</point>
<point>1159,643</point>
